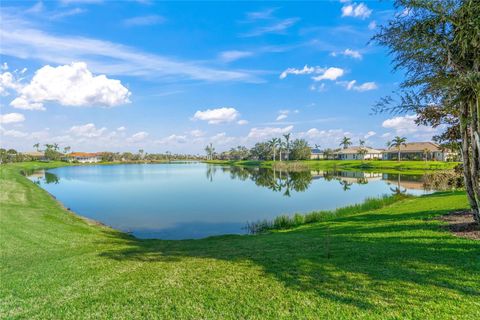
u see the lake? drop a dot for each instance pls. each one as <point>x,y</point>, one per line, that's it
<point>196,200</point>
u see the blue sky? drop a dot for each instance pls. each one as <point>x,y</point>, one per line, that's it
<point>123,75</point>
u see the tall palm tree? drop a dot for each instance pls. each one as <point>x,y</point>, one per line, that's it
<point>425,154</point>
<point>317,146</point>
<point>281,147</point>
<point>274,142</point>
<point>287,144</point>
<point>346,142</point>
<point>361,143</point>
<point>209,149</point>
<point>397,143</point>
<point>37,146</point>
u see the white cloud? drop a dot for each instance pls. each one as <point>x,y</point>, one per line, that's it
<point>242,122</point>
<point>144,20</point>
<point>197,133</point>
<point>283,114</point>
<point>352,85</point>
<point>70,85</point>
<point>68,13</point>
<point>260,15</point>
<point>13,133</point>
<point>372,25</point>
<point>36,8</point>
<point>306,70</point>
<point>356,10</point>
<point>67,2</point>
<point>326,138</point>
<point>122,128</point>
<point>88,130</point>
<point>320,88</point>
<point>331,73</point>
<point>278,28</point>
<point>349,53</point>
<point>216,116</point>
<point>172,139</point>
<point>11,118</point>
<point>8,82</point>
<point>4,66</point>
<point>369,134</point>
<point>23,40</point>
<point>221,139</point>
<point>406,125</point>
<point>138,137</point>
<point>267,132</point>
<point>232,55</point>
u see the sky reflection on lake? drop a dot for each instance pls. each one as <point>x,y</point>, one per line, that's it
<point>195,200</point>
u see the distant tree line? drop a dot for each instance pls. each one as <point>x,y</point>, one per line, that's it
<point>275,149</point>
<point>52,152</point>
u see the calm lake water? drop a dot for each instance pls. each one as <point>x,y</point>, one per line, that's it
<point>195,200</point>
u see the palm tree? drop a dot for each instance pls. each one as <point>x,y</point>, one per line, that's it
<point>274,142</point>
<point>362,151</point>
<point>317,146</point>
<point>425,154</point>
<point>66,149</point>
<point>210,150</point>
<point>346,142</point>
<point>287,144</point>
<point>37,146</point>
<point>397,143</point>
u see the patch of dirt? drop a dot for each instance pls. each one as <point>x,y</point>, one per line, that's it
<point>461,224</point>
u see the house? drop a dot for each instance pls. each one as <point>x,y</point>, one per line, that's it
<point>35,155</point>
<point>316,154</point>
<point>354,153</point>
<point>84,157</point>
<point>420,151</point>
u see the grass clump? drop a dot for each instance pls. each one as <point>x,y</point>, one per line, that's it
<point>284,222</point>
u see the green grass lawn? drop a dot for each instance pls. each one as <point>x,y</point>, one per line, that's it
<point>392,263</point>
<point>383,165</point>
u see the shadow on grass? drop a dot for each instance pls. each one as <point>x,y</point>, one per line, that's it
<point>351,260</point>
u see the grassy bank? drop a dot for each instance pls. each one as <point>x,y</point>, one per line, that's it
<point>395,262</point>
<point>418,166</point>
<point>284,222</point>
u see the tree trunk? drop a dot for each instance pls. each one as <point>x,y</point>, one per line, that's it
<point>467,159</point>
<point>475,163</point>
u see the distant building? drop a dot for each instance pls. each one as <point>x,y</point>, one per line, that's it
<point>84,157</point>
<point>316,154</point>
<point>420,151</point>
<point>354,153</point>
<point>35,155</point>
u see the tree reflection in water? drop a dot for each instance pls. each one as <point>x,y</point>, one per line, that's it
<point>275,180</point>
<point>299,181</point>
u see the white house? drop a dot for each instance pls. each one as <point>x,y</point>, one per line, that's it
<point>419,151</point>
<point>354,153</point>
<point>316,154</point>
<point>84,157</point>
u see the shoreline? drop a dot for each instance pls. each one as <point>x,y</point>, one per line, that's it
<point>53,165</point>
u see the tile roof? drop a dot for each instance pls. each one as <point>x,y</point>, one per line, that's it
<point>83,154</point>
<point>416,147</point>
<point>354,150</point>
